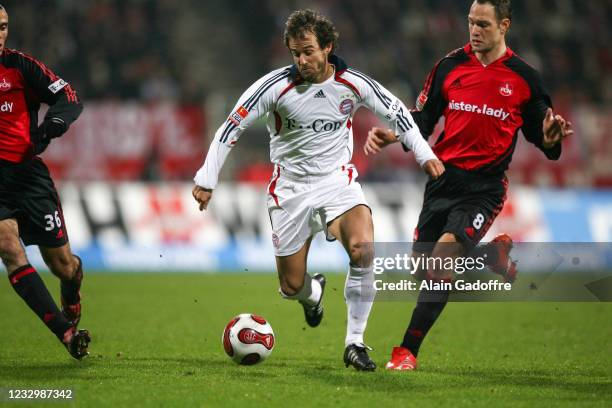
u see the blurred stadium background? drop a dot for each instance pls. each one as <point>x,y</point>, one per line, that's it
<point>158,77</point>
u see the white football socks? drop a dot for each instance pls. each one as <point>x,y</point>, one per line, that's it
<point>359,295</point>
<point>310,294</point>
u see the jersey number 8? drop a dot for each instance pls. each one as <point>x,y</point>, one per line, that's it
<point>478,220</point>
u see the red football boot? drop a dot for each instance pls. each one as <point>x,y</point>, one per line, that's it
<point>504,266</point>
<point>402,359</point>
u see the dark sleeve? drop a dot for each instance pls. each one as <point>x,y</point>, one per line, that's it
<point>534,112</point>
<point>64,104</point>
<point>430,104</point>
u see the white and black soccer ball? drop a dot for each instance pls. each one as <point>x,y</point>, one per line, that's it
<point>248,339</point>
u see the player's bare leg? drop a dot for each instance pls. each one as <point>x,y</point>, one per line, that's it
<point>69,269</point>
<point>297,284</point>
<point>61,261</point>
<point>430,304</point>
<point>420,273</point>
<point>292,270</point>
<point>11,251</point>
<point>448,246</point>
<point>355,230</point>
<point>30,287</point>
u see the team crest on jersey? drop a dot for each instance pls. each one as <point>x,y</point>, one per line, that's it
<point>505,89</point>
<point>237,116</point>
<point>346,106</point>
<point>5,86</point>
<point>421,101</point>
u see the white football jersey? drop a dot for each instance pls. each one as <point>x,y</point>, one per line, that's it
<point>310,125</point>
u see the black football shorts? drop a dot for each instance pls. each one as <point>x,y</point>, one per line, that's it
<point>28,194</point>
<point>462,203</point>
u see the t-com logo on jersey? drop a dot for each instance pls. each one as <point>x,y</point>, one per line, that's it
<point>318,125</point>
<point>483,110</point>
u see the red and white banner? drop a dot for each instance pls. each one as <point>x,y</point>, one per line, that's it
<point>123,141</point>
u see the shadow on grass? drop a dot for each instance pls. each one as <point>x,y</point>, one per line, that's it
<point>222,367</point>
<point>102,368</point>
<point>591,384</point>
<point>15,371</point>
<point>574,379</point>
<point>580,381</point>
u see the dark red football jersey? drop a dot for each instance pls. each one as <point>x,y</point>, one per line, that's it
<point>484,107</point>
<point>25,83</point>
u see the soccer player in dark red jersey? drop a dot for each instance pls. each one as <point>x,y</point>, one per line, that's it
<point>486,94</point>
<point>30,208</point>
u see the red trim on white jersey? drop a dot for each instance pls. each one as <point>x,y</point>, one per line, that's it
<point>272,185</point>
<point>338,78</point>
<point>288,88</point>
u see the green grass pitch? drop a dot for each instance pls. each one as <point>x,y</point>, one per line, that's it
<point>156,342</point>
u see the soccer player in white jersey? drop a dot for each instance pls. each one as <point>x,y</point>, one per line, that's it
<point>309,107</point>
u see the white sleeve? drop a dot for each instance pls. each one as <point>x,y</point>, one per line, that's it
<point>255,102</point>
<point>392,111</point>
<point>208,175</point>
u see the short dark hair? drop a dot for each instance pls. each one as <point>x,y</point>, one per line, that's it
<point>303,21</point>
<point>503,8</point>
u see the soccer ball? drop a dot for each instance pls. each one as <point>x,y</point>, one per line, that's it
<point>248,339</point>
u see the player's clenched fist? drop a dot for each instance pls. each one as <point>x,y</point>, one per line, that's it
<point>202,196</point>
<point>377,139</point>
<point>434,168</point>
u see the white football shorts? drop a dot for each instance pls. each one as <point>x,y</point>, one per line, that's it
<point>301,206</point>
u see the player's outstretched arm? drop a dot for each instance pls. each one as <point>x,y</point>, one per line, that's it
<point>378,138</point>
<point>252,104</point>
<point>555,128</point>
<point>202,196</point>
